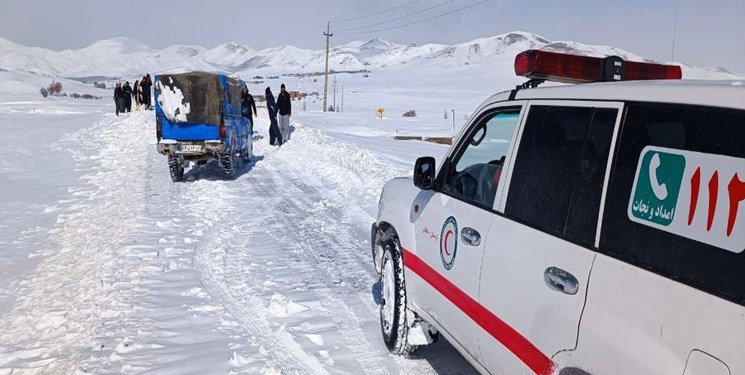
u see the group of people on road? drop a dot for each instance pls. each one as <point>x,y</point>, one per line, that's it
<point>124,93</point>
<point>279,130</point>
<point>279,110</point>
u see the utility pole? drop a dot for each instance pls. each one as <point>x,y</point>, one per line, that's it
<point>336,109</point>
<point>328,36</point>
<point>342,98</point>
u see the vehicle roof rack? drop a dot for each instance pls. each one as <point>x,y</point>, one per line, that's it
<point>529,84</point>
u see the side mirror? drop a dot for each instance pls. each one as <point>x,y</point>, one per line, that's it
<point>424,173</point>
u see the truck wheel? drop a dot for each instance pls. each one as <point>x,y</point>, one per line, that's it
<point>393,317</point>
<point>177,170</point>
<point>227,162</point>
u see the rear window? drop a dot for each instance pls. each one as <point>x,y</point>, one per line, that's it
<point>195,98</point>
<point>675,197</point>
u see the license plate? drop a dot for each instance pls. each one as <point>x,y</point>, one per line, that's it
<point>191,148</point>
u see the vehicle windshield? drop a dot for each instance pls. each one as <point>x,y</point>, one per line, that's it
<point>190,97</point>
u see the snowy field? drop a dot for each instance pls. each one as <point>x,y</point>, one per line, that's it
<point>109,267</point>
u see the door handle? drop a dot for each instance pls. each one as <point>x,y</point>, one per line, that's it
<point>561,281</point>
<point>471,236</point>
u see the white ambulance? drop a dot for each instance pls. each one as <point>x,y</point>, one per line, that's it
<point>595,228</point>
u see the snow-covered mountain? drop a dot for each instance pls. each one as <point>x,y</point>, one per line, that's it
<point>122,57</point>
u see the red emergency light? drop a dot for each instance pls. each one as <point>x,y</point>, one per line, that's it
<point>562,67</point>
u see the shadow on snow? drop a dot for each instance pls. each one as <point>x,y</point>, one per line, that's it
<point>212,171</point>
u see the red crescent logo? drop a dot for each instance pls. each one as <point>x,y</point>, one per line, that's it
<point>447,235</point>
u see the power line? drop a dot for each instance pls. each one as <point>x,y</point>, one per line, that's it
<point>416,22</point>
<point>397,18</point>
<point>375,14</point>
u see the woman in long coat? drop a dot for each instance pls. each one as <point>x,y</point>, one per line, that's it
<point>271,106</point>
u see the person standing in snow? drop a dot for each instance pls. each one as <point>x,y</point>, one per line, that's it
<point>271,106</point>
<point>136,95</point>
<point>248,107</point>
<point>285,111</point>
<point>127,97</point>
<point>145,86</point>
<point>118,98</point>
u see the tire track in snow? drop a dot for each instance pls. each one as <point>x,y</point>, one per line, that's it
<point>321,250</point>
<point>321,180</point>
<point>283,352</point>
<point>273,196</point>
<point>317,184</point>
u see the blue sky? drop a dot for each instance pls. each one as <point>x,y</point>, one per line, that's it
<point>710,32</point>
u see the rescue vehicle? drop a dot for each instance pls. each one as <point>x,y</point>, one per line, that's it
<point>595,228</point>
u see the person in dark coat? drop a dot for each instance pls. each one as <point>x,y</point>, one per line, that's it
<point>271,106</point>
<point>248,106</point>
<point>285,111</point>
<point>145,85</point>
<point>118,98</point>
<point>127,97</point>
<point>136,95</point>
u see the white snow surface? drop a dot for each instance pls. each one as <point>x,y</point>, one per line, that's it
<point>109,267</point>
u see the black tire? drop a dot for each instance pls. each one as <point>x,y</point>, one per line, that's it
<point>176,169</point>
<point>227,163</point>
<point>393,324</point>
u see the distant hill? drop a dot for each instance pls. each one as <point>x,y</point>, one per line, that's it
<point>122,57</point>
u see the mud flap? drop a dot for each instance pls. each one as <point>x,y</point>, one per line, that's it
<point>373,244</point>
<point>420,332</point>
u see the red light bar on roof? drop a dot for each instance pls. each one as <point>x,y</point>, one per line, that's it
<point>561,67</point>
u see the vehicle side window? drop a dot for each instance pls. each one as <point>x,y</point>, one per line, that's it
<point>584,208</point>
<point>559,171</point>
<point>234,98</point>
<point>476,172</point>
<point>664,244</point>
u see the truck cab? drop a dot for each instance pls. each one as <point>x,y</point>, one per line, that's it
<point>198,118</point>
<point>593,228</point>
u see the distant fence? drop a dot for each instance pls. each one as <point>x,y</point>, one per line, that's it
<point>440,140</point>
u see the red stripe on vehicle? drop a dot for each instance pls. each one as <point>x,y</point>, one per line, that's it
<point>538,362</point>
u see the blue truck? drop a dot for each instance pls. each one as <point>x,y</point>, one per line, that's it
<point>199,118</point>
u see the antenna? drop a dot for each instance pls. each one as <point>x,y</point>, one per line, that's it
<point>675,30</point>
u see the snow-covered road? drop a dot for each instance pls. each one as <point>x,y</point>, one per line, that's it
<point>268,273</point>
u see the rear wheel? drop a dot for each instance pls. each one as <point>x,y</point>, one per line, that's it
<point>176,168</point>
<point>227,162</point>
<point>393,317</point>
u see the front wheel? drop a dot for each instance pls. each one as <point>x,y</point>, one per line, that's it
<point>393,317</point>
<point>176,168</point>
